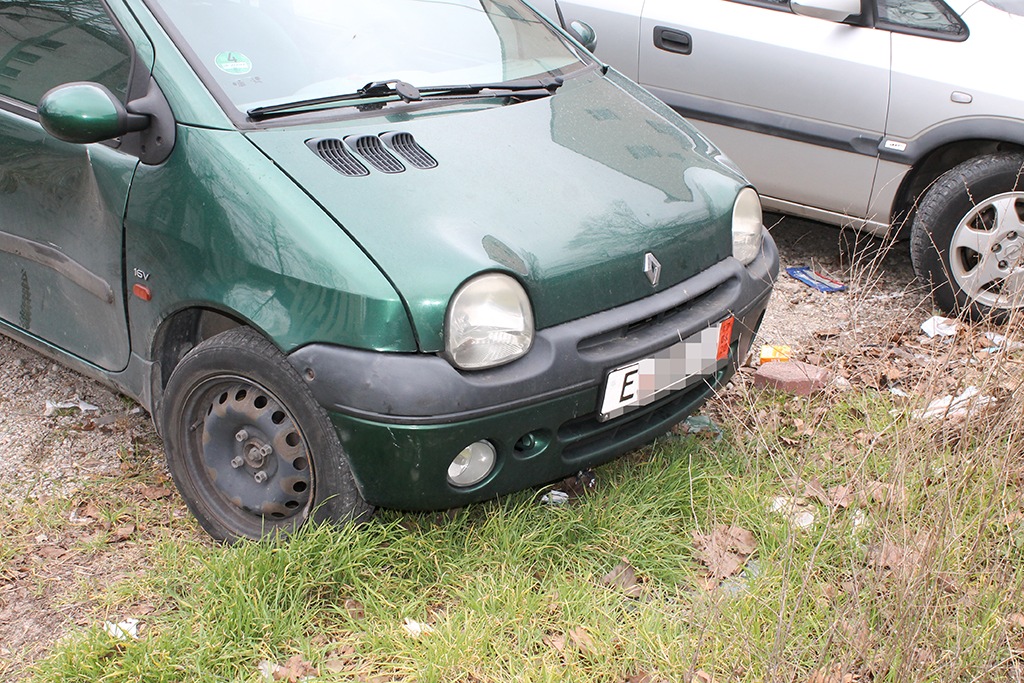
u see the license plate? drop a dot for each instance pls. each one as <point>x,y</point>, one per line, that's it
<point>676,367</point>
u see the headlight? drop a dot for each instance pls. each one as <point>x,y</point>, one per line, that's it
<point>747,226</point>
<point>490,322</point>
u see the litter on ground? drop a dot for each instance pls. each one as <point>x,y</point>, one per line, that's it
<point>820,282</point>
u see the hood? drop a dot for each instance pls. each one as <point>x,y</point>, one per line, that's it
<point>567,193</point>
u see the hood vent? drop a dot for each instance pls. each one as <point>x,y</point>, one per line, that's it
<point>372,149</point>
<point>407,147</point>
<point>375,149</point>
<point>334,152</point>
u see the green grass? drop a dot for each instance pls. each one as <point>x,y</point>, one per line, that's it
<point>923,586</point>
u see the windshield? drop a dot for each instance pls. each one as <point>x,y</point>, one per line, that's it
<point>1011,6</point>
<point>266,52</point>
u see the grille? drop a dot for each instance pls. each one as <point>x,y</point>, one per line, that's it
<point>334,152</point>
<point>407,147</point>
<point>372,149</point>
<point>599,345</point>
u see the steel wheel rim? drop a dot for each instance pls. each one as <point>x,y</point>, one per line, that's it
<point>247,456</point>
<point>986,254</point>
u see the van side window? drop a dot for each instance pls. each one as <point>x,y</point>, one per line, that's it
<point>921,17</point>
<point>44,43</point>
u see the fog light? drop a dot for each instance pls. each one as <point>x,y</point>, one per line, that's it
<point>471,465</point>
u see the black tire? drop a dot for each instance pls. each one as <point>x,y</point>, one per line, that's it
<point>967,239</point>
<point>251,451</point>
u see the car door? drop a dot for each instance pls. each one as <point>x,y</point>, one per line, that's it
<point>799,103</point>
<point>62,205</point>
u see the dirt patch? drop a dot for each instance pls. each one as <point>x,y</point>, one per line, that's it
<point>82,478</point>
<point>881,293</point>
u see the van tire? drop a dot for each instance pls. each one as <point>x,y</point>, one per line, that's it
<point>967,241</point>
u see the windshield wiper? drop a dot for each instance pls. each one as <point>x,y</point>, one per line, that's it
<point>410,93</point>
<point>545,86</point>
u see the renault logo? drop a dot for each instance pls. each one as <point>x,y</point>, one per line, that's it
<point>652,268</point>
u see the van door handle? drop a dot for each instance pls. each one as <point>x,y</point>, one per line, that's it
<point>672,40</point>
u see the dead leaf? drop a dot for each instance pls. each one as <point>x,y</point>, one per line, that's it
<point>355,609</point>
<point>555,641</point>
<point>815,491</point>
<point>294,670</point>
<point>841,496</point>
<point>576,637</point>
<point>1016,620</point>
<point>707,583</point>
<point>725,550</point>
<point>90,510</point>
<point>864,436</point>
<point>857,633</point>
<point>581,639</point>
<point>552,604</point>
<point>121,533</point>
<point>895,558</point>
<point>156,492</point>
<point>94,537</point>
<point>644,677</point>
<point>699,676</point>
<point>833,674</point>
<point>623,577</point>
<point>887,495</point>
<point>802,428</point>
<point>342,659</point>
<point>49,552</point>
<point>835,497</point>
<point>889,375</point>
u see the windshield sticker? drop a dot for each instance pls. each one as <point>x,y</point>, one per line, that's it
<point>234,63</point>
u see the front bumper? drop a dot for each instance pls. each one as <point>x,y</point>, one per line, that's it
<point>402,417</point>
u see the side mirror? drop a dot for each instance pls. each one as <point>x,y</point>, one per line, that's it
<point>86,112</point>
<point>582,32</point>
<point>829,10</point>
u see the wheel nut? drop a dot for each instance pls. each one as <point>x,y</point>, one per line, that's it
<point>260,477</point>
<point>265,450</point>
<point>1003,265</point>
<point>241,436</point>
<point>237,462</point>
<point>996,248</point>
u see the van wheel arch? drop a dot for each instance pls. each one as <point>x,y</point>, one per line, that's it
<point>929,168</point>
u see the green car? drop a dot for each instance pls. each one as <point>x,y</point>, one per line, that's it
<point>399,253</point>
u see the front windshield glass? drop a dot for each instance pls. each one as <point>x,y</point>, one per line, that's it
<point>266,52</point>
<point>1011,6</point>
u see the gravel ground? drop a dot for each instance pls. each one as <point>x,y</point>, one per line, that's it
<point>48,451</point>
<point>58,428</point>
<point>881,287</point>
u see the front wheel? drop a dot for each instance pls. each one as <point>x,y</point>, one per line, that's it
<point>967,237</point>
<point>249,448</point>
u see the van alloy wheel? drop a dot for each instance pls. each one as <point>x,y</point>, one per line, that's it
<point>967,238</point>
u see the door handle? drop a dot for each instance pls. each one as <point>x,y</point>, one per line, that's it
<point>672,40</point>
